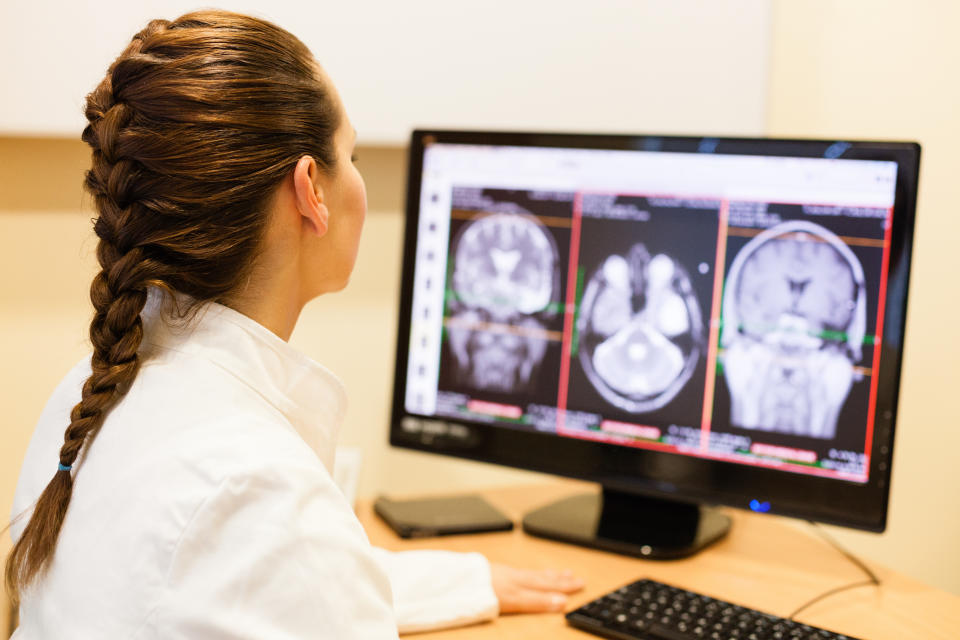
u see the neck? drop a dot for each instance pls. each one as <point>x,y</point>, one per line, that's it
<point>276,289</point>
<point>280,319</point>
<point>273,303</point>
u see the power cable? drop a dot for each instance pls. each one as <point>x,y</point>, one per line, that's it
<point>873,579</point>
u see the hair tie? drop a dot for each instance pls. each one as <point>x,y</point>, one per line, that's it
<point>64,467</point>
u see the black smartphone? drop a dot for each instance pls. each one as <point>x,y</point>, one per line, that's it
<point>429,517</point>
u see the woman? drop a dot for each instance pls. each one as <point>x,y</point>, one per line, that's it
<point>226,200</point>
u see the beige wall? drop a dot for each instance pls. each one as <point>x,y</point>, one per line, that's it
<point>888,69</point>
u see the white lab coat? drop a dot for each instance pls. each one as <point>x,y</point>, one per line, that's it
<point>206,506</point>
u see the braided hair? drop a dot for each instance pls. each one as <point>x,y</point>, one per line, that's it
<point>193,128</point>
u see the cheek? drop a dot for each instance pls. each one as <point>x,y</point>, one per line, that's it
<point>358,214</point>
<point>360,197</point>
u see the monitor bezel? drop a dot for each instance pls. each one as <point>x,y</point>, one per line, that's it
<point>677,476</point>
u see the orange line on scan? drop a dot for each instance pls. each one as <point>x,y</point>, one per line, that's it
<point>549,221</point>
<point>499,327</point>
<point>748,232</point>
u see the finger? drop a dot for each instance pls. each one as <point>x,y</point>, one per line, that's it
<point>549,580</point>
<point>533,601</point>
<point>566,581</point>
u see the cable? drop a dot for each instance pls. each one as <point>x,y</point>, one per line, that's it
<point>873,579</point>
<point>862,583</point>
<point>836,545</point>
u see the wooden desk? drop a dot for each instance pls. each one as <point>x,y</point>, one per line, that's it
<point>763,563</point>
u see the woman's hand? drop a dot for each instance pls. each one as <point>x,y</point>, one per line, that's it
<point>532,591</point>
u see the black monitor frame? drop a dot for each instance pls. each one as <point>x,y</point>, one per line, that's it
<point>662,474</point>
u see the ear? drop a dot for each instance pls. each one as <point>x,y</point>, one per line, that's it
<point>310,200</point>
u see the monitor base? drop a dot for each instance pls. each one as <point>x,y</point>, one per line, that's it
<point>630,524</point>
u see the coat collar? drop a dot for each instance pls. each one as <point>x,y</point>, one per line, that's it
<point>309,395</point>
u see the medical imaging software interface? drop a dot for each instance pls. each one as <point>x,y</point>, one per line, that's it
<point>720,306</point>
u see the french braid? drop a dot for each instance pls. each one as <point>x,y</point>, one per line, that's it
<point>192,129</point>
<point>119,290</point>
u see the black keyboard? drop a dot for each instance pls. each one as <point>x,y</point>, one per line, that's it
<point>648,610</point>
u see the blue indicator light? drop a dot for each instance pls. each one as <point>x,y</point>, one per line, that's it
<point>708,145</point>
<point>760,507</point>
<point>836,150</point>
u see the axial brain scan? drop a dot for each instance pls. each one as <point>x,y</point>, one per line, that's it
<point>640,328</point>
<point>794,318</point>
<point>506,282</point>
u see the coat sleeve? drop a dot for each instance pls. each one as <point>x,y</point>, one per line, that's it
<point>438,589</point>
<point>278,554</point>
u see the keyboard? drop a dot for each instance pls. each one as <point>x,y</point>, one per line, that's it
<point>648,610</point>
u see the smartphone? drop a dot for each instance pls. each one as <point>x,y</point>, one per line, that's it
<point>430,517</point>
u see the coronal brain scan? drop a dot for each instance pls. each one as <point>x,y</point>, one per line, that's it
<point>794,315</point>
<point>640,329</point>
<point>505,283</point>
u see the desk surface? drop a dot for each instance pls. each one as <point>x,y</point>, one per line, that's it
<point>764,563</point>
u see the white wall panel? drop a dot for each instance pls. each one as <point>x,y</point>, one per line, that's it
<point>684,66</point>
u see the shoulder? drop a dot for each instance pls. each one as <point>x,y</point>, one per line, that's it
<point>187,408</point>
<point>188,433</point>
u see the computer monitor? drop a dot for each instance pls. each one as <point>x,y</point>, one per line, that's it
<point>686,321</point>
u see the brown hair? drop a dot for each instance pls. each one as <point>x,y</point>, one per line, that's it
<point>192,129</point>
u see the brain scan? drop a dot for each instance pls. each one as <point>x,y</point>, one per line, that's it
<point>506,282</point>
<point>506,264</point>
<point>640,330</point>
<point>794,316</point>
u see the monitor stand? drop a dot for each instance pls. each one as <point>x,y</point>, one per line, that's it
<point>630,524</point>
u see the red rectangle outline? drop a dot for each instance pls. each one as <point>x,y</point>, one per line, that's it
<point>568,311</point>
<point>719,263</point>
<point>878,342</point>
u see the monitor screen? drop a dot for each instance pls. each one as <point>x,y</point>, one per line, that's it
<point>700,318</point>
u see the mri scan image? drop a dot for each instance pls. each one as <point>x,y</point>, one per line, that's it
<point>506,281</point>
<point>640,330</point>
<point>794,317</point>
